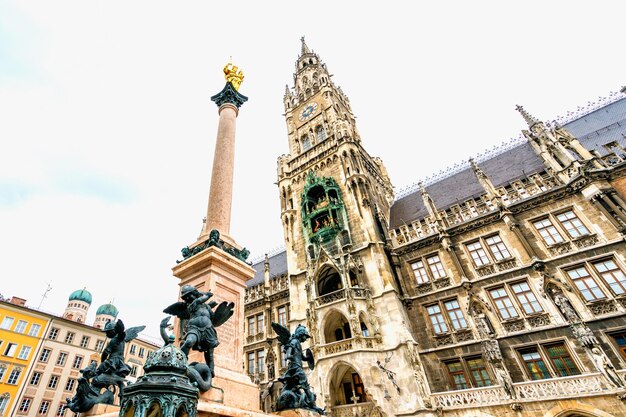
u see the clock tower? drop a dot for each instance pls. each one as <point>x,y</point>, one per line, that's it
<point>335,202</point>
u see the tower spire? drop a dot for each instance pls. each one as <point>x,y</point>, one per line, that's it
<point>305,48</point>
<point>530,119</point>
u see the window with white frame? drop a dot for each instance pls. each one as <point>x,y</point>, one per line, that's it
<point>515,298</point>
<point>69,385</point>
<point>53,381</point>
<point>35,378</point>
<point>25,404</point>
<point>84,341</point>
<point>596,279</point>
<point>14,376</point>
<point>61,358</point>
<point>45,354</point>
<point>69,337</point>
<point>7,322</point>
<point>556,227</point>
<point>53,333</point>
<point>24,352</point>
<point>446,315</point>
<point>34,330</point>
<point>428,268</point>
<point>488,250</point>
<point>21,326</point>
<point>43,408</point>
<point>78,361</point>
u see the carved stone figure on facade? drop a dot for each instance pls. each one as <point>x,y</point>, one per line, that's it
<point>504,378</point>
<point>564,305</point>
<point>296,392</point>
<point>492,350</point>
<point>198,321</point>
<point>604,365</point>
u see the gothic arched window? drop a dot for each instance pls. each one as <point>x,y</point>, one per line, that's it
<point>306,143</point>
<point>321,133</point>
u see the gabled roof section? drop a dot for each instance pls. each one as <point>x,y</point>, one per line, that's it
<point>594,129</point>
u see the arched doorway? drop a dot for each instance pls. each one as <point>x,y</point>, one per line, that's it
<point>336,327</point>
<point>346,386</point>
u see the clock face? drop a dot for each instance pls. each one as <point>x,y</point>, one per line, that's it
<point>308,111</point>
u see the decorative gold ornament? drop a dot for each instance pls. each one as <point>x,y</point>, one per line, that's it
<point>233,75</point>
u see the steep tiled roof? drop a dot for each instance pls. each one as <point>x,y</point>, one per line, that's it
<point>595,129</point>
<point>278,266</point>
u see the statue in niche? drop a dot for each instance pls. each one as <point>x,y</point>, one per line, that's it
<point>604,365</point>
<point>198,321</point>
<point>564,305</point>
<point>296,392</point>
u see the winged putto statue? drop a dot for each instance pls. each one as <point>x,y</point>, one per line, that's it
<point>296,392</point>
<point>198,320</point>
<point>111,372</point>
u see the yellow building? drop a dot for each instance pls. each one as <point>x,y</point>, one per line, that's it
<point>21,333</point>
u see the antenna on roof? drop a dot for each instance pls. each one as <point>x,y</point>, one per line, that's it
<point>44,295</point>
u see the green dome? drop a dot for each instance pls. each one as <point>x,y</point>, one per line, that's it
<point>108,309</point>
<point>81,295</point>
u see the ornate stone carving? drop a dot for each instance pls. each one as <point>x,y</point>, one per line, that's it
<point>441,282</point>
<point>603,307</point>
<point>463,335</point>
<point>539,320</point>
<point>443,340</point>
<point>559,248</point>
<point>516,325</point>
<point>507,264</point>
<point>486,270</point>
<point>424,288</point>
<point>586,241</point>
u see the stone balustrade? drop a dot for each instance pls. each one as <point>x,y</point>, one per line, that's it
<point>470,397</point>
<point>561,387</point>
<point>544,389</point>
<point>352,410</point>
<point>346,345</point>
<point>341,294</point>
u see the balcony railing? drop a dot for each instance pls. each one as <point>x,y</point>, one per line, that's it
<point>352,410</point>
<point>472,397</point>
<point>340,295</point>
<point>558,387</point>
<point>349,344</point>
<point>545,389</point>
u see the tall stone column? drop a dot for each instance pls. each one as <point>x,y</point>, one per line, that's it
<point>214,263</point>
<point>221,193</point>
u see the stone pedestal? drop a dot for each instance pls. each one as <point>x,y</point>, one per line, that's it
<point>226,276</point>
<point>100,409</point>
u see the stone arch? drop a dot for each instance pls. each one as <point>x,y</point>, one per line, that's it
<point>129,410</point>
<point>576,410</point>
<point>345,385</point>
<point>328,280</point>
<point>336,327</point>
<point>365,331</point>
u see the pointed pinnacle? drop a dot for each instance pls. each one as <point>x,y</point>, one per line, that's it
<point>530,120</point>
<point>305,48</point>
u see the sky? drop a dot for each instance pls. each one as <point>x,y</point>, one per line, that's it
<point>107,130</point>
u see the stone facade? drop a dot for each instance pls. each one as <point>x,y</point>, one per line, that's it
<point>497,290</point>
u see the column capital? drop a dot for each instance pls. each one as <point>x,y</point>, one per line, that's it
<point>229,95</point>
